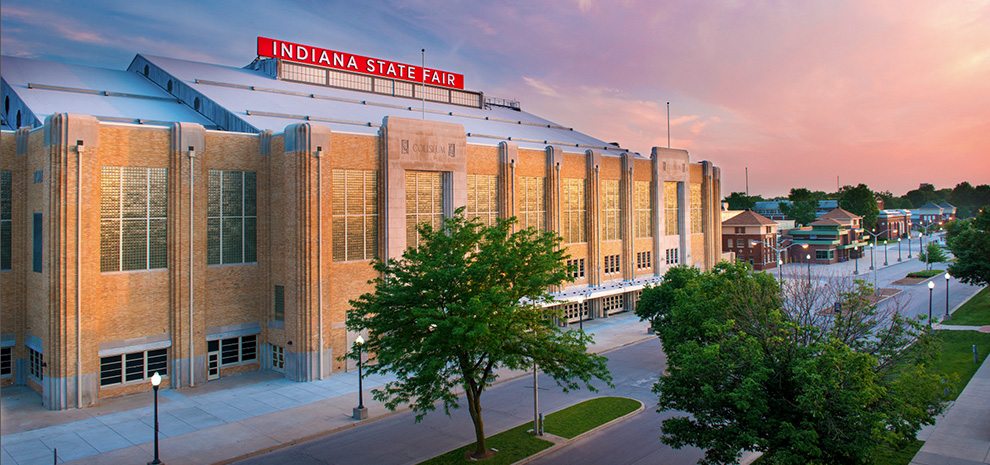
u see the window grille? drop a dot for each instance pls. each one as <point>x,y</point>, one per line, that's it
<point>612,264</point>
<point>424,202</point>
<point>574,311</point>
<point>671,204</point>
<point>643,207</point>
<point>278,357</point>
<point>234,350</point>
<point>307,74</point>
<point>573,211</point>
<point>644,260</point>
<point>35,361</point>
<point>696,223</point>
<point>673,256</point>
<point>610,224</point>
<point>355,215</point>
<point>482,198</point>
<point>135,366</point>
<point>532,202</point>
<point>6,358</point>
<point>133,218</point>
<point>349,81</point>
<point>232,217</point>
<point>613,304</point>
<point>577,267</point>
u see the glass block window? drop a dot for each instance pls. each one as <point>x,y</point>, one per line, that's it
<point>696,223</point>
<point>670,206</point>
<point>383,86</point>
<point>133,218</point>
<point>573,211</point>
<point>644,260</point>
<point>279,306</point>
<point>467,99</point>
<point>6,219</point>
<point>613,304</point>
<point>532,202</point>
<point>278,357</point>
<point>307,74</point>
<point>424,202</point>
<point>355,215</point>
<point>403,89</point>
<point>613,264</point>
<point>643,209</point>
<point>611,221</point>
<point>35,361</point>
<point>135,366</point>
<point>482,198</point>
<point>240,349</point>
<point>232,217</point>
<point>577,267</point>
<point>6,360</point>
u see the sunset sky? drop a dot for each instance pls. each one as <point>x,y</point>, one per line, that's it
<point>886,93</point>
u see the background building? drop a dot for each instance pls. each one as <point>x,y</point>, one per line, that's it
<point>892,224</point>
<point>835,237</point>
<point>752,237</point>
<point>200,220</point>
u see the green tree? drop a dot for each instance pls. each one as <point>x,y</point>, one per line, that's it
<point>798,194</point>
<point>741,201</point>
<point>969,241</point>
<point>861,201</point>
<point>463,304</point>
<point>803,212</point>
<point>933,253</point>
<point>760,366</point>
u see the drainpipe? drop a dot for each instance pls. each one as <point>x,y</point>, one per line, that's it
<point>80,149</point>
<point>319,253</point>
<point>192,223</point>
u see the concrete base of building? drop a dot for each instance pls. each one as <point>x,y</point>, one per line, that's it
<point>61,393</point>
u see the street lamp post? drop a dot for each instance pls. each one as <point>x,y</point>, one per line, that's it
<point>156,380</point>
<point>808,258</point>
<point>360,412</point>
<point>536,403</point>
<point>947,278</point>
<point>898,249</point>
<point>931,287</point>
<point>780,276</point>
<point>856,251</point>
<point>885,252</point>
<point>909,242</point>
<point>581,300</point>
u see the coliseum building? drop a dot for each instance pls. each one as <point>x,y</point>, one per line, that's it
<point>201,220</point>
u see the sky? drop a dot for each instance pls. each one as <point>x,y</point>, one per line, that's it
<point>891,94</point>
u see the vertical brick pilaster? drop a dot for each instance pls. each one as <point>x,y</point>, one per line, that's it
<point>508,159</point>
<point>626,186</point>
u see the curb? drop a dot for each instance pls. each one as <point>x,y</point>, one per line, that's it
<point>558,446</point>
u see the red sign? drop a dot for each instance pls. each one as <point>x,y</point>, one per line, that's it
<point>273,48</point>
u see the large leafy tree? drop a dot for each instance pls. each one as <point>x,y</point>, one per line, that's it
<point>463,304</point>
<point>969,241</point>
<point>762,366</point>
<point>861,201</point>
<point>741,201</point>
<point>803,212</point>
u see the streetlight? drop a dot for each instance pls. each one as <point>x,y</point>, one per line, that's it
<point>909,233</point>
<point>885,252</point>
<point>872,250</point>
<point>780,260</point>
<point>898,249</point>
<point>360,412</point>
<point>808,258</point>
<point>856,251</point>
<point>947,278</point>
<point>931,287</point>
<point>580,302</point>
<point>156,380</point>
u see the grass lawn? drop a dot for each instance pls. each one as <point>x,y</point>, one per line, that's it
<point>582,417</point>
<point>925,273</point>
<point>888,456</point>
<point>957,355</point>
<point>513,445</point>
<point>516,444</point>
<point>976,312</point>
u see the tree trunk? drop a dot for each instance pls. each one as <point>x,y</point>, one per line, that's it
<point>474,407</point>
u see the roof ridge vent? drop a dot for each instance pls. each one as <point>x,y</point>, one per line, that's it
<point>502,102</point>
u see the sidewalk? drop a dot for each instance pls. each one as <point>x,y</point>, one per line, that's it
<point>221,420</point>
<point>962,435</point>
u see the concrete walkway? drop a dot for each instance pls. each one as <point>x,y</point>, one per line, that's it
<point>218,421</point>
<point>962,434</point>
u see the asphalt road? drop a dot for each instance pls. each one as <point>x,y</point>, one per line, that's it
<point>397,439</point>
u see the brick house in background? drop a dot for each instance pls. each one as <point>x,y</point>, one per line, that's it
<point>893,224</point>
<point>752,237</point>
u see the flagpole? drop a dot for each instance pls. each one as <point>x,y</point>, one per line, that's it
<point>668,125</point>
<point>423,81</point>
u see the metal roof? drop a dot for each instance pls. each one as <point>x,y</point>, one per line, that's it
<point>266,103</point>
<point>43,88</point>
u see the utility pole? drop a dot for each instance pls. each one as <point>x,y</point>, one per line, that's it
<point>747,181</point>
